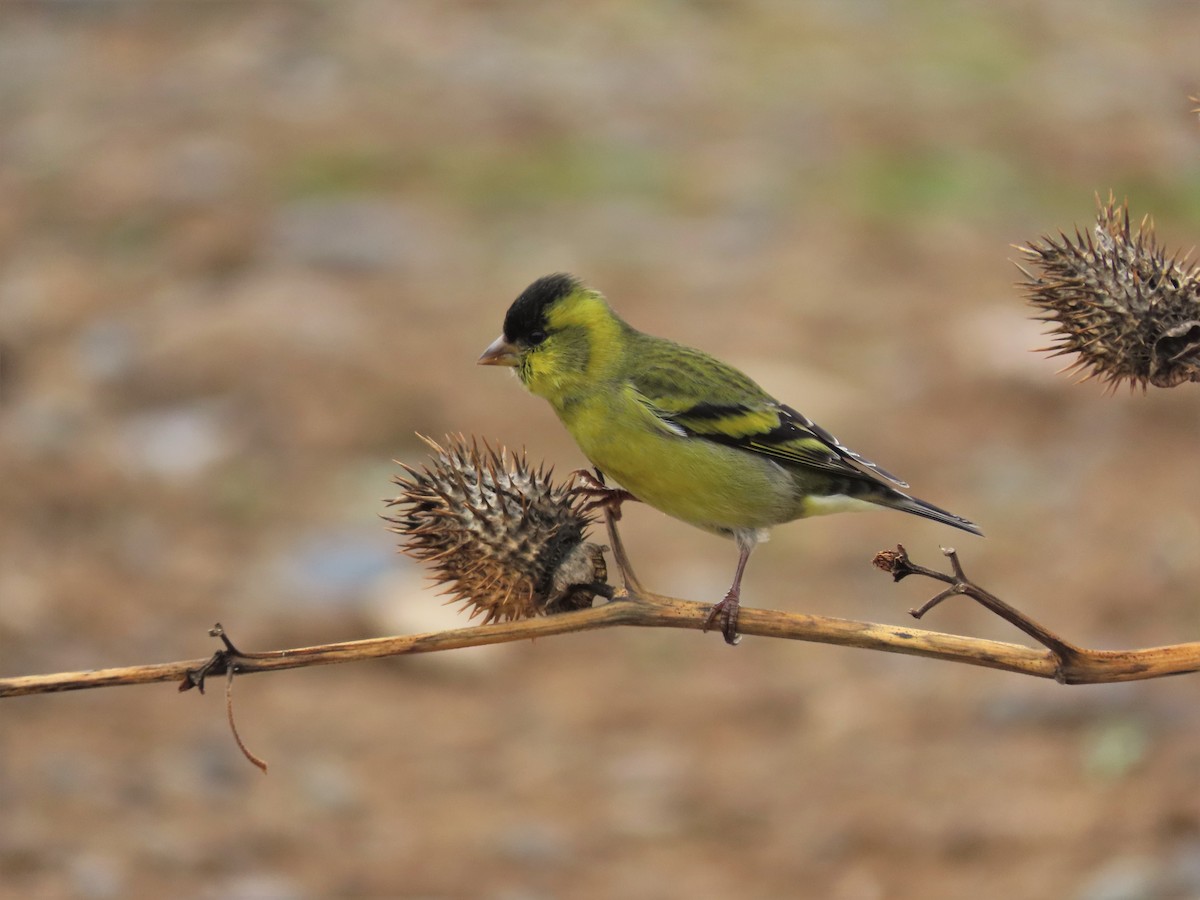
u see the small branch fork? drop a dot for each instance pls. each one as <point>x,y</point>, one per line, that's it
<point>1071,664</point>
<point>900,566</point>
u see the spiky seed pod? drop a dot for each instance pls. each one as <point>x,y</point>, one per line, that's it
<point>502,536</point>
<point>1115,298</point>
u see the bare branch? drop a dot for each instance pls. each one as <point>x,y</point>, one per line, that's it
<point>647,610</point>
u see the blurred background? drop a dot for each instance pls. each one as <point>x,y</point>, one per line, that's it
<point>247,250</point>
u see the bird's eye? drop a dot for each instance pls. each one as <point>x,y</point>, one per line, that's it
<point>537,337</point>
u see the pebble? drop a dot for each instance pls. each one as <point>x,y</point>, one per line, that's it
<point>176,444</point>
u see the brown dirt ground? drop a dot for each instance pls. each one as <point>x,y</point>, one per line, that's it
<point>247,250</point>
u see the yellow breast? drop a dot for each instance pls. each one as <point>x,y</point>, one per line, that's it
<point>697,481</point>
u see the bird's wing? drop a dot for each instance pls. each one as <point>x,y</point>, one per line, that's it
<point>698,396</point>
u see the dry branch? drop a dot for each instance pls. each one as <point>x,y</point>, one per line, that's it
<point>648,610</point>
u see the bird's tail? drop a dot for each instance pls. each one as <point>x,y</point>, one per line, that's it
<point>903,502</point>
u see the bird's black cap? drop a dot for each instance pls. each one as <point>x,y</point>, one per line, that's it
<point>528,312</point>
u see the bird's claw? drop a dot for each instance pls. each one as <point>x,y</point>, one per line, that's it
<point>597,495</point>
<point>727,612</point>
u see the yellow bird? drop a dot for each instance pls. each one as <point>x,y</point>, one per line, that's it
<point>682,431</point>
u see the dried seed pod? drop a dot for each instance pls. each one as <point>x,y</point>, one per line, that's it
<point>501,536</point>
<point>1115,298</point>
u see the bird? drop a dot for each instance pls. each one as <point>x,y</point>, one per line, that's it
<point>682,431</point>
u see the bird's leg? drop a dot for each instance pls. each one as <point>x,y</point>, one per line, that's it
<point>601,496</point>
<point>597,494</point>
<point>633,587</point>
<point>727,609</point>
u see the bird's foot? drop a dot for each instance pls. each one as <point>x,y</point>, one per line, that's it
<point>598,496</point>
<point>727,613</point>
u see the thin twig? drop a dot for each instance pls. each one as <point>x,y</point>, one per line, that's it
<point>237,738</point>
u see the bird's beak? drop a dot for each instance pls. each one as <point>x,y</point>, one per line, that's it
<point>499,353</point>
